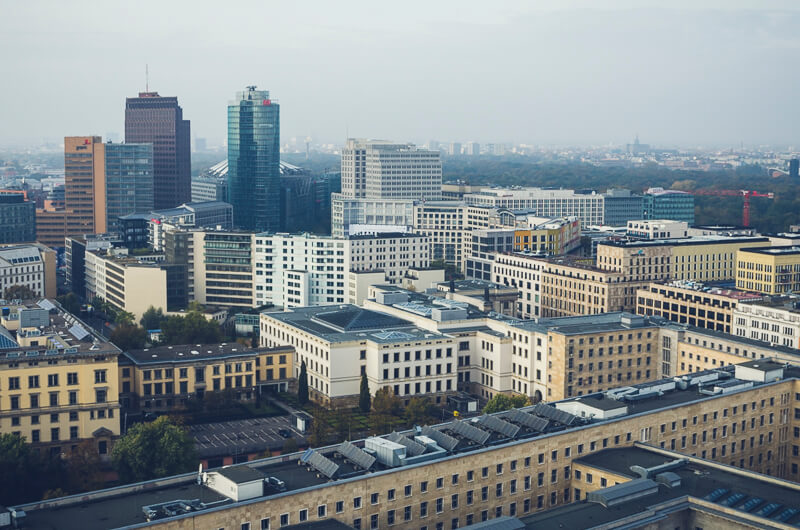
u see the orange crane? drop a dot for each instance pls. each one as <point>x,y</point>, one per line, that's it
<point>746,194</point>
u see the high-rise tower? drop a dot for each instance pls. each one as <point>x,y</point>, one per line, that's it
<point>254,160</point>
<point>158,120</point>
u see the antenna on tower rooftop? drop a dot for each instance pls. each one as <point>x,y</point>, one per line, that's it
<point>146,78</point>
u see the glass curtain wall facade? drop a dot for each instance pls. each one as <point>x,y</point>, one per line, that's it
<point>254,161</point>
<point>129,181</point>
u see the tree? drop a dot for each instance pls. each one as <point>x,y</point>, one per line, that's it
<point>302,385</point>
<point>152,450</point>
<point>124,318</point>
<point>26,474</point>
<point>152,318</point>
<point>70,303</point>
<point>417,410</point>
<point>386,402</point>
<point>127,337</point>
<point>19,292</point>
<point>192,328</point>
<point>501,402</point>
<point>83,468</point>
<point>364,398</point>
<point>319,429</point>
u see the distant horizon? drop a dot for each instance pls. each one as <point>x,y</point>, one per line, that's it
<point>679,73</point>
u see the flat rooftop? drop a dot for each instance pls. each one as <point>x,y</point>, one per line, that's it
<point>194,352</point>
<point>346,323</point>
<point>123,506</point>
<point>696,240</point>
<point>698,478</point>
<point>64,334</point>
<point>774,251</point>
<point>583,324</point>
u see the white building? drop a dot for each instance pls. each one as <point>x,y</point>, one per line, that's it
<point>776,321</point>
<point>588,207</point>
<point>339,344</point>
<point>349,214</point>
<point>294,270</point>
<point>29,265</point>
<point>658,229</point>
<point>379,169</point>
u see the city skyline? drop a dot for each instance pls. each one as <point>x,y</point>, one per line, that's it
<point>662,70</point>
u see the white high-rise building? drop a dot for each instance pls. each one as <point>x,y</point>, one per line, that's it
<point>378,169</point>
<point>588,207</point>
<point>380,181</point>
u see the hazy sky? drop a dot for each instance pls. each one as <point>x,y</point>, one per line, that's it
<point>677,72</point>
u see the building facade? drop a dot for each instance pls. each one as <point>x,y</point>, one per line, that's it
<point>768,270</point>
<point>621,206</point>
<point>17,218</point>
<point>693,303</point>
<point>127,283</point>
<point>254,160</point>
<point>675,205</point>
<point>542,202</point>
<point>32,266</point>
<point>657,229</point>
<point>158,120</point>
<point>774,320</point>
<point>166,378</point>
<point>60,385</point>
<point>129,181</point>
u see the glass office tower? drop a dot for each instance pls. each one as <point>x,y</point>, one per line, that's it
<point>254,160</point>
<point>129,181</point>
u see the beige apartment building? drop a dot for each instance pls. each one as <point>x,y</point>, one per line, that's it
<point>165,377</point>
<point>693,303</point>
<point>528,462</point>
<point>768,270</point>
<point>128,283</point>
<point>58,380</point>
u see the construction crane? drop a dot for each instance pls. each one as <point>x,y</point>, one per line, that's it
<point>746,194</point>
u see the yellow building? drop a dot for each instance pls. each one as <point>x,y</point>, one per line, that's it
<point>729,429</point>
<point>692,303</point>
<point>769,270</point>
<point>704,258</point>
<point>165,377</point>
<point>551,236</point>
<point>58,380</point>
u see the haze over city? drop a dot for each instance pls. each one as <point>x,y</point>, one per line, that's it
<point>546,73</point>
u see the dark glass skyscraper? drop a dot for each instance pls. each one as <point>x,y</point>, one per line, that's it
<point>254,160</point>
<point>129,181</point>
<point>158,120</point>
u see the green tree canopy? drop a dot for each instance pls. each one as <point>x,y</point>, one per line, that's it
<point>152,450</point>
<point>19,292</point>
<point>501,402</point>
<point>125,318</point>
<point>302,385</point>
<point>152,318</point>
<point>386,402</point>
<point>127,337</point>
<point>70,302</point>
<point>26,475</point>
<point>418,410</point>
<point>364,398</point>
<point>192,328</point>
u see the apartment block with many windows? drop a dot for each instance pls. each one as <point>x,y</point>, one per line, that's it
<point>164,378</point>
<point>58,380</point>
<point>693,303</point>
<point>768,270</point>
<point>736,430</point>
